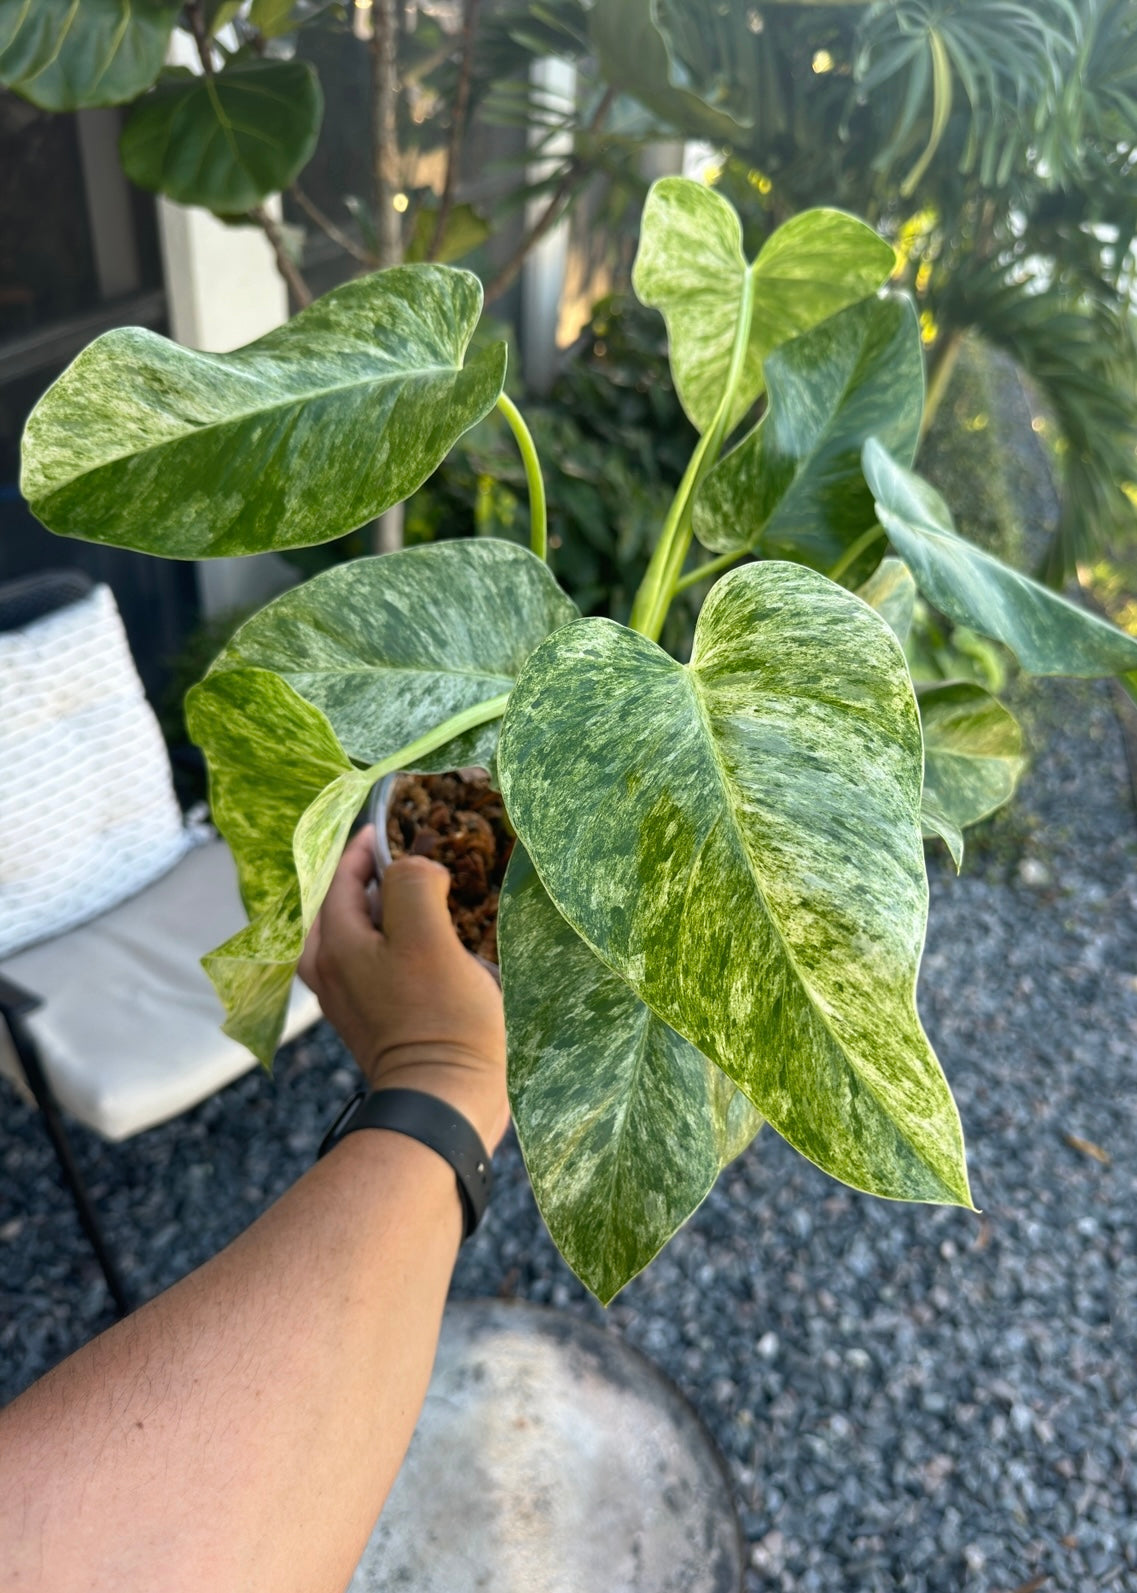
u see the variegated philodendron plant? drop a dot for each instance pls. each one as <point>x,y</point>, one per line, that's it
<point>716,909</point>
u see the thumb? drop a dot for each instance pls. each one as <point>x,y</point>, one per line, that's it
<point>414,903</point>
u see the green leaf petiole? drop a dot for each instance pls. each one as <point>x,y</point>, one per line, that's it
<point>469,719</point>
<point>661,582</point>
<point>708,571</point>
<point>538,516</point>
<point>854,551</point>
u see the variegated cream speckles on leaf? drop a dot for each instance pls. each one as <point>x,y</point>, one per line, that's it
<point>389,647</point>
<point>1047,634</point>
<point>795,484</point>
<point>66,54</point>
<point>272,757</point>
<point>269,754</point>
<point>740,840</point>
<point>624,1125</point>
<point>690,265</point>
<point>891,590</point>
<point>306,433</point>
<point>253,971</point>
<point>973,758</point>
<point>228,141</point>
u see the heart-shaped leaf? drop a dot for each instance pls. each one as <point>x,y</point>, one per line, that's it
<point>1047,634</point>
<point>64,55</point>
<point>300,437</point>
<point>739,838</point>
<point>891,590</point>
<point>690,266</point>
<point>274,763</point>
<point>623,1124</point>
<point>389,647</point>
<point>795,484</point>
<point>973,758</point>
<point>227,141</point>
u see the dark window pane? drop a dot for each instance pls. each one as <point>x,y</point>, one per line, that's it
<point>47,269</point>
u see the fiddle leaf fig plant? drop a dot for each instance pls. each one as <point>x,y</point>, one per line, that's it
<point>715,910</point>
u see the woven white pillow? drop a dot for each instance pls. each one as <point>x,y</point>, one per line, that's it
<point>88,815</point>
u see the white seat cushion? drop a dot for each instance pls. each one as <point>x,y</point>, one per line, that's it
<point>130,1028</point>
<point>87,809</point>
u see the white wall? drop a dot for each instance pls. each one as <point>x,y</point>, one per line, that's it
<point>543,274</point>
<point>222,290</point>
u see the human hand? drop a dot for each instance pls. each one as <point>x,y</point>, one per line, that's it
<point>415,1009</point>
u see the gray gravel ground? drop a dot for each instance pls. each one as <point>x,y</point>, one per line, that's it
<point>909,1398</point>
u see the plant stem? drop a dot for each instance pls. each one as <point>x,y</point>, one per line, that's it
<point>469,719</point>
<point>457,128</point>
<point>660,583</point>
<point>384,131</point>
<point>538,514</point>
<point>705,572</point>
<point>196,20</point>
<point>328,227</point>
<point>853,553</point>
<point>285,264</point>
<point>553,210</point>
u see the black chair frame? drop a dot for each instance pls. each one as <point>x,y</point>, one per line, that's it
<point>22,602</point>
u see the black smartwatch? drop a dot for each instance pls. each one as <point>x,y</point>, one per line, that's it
<point>433,1123</point>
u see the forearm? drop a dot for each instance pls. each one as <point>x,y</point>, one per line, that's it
<point>242,1431</point>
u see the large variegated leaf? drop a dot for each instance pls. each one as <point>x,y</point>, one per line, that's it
<point>227,141</point>
<point>624,1125</point>
<point>274,765</point>
<point>303,435</point>
<point>795,485</point>
<point>891,590</point>
<point>1047,634</point>
<point>66,54</point>
<point>690,265</point>
<point>269,755</point>
<point>388,648</point>
<point>739,839</point>
<point>973,758</point>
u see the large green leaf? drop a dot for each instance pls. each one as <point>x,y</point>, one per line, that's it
<point>795,485</point>
<point>274,765</point>
<point>67,54</point>
<point>1047,634</point>
<point>891,590</point>
<point>623,1124</point>
<point>633,57</point>
<point>690,266</point>
<point>389,647</point>
<point>227,141</point>
<point>739,839</point>
<point>973,757</point>
<point>300,437</point>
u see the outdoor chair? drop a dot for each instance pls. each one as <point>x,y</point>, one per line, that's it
<point>108,898</point>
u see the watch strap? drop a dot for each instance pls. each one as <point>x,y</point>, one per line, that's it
<point>433,1123</point>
